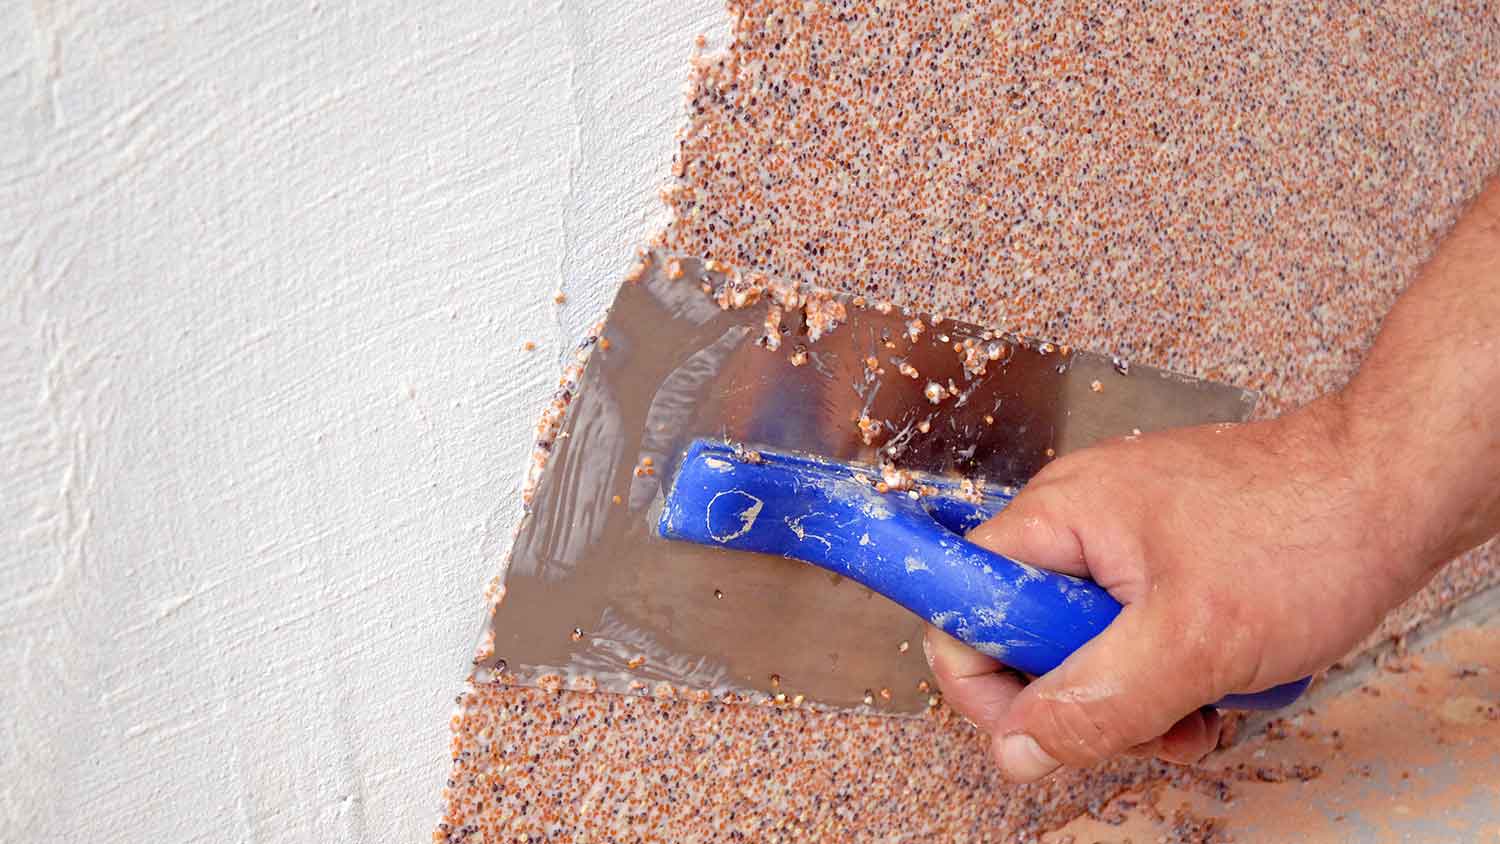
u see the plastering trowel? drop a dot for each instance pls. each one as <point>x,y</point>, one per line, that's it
<point>727,431</point>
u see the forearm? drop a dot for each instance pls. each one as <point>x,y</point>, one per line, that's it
<point>1421,420</point>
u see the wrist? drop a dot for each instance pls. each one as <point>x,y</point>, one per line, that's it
<point>1386,508</point>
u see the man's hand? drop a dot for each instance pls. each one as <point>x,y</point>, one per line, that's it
<point>1247,556</point>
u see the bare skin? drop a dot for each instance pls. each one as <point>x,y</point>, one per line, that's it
<point>1265,551</point>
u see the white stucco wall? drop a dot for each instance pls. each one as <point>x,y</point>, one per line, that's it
<point>266,269</point>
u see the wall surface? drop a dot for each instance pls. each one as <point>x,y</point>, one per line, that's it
<point>1239,191</point>
<point>266,272</point>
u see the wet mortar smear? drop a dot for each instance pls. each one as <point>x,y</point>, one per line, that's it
<point>1237,192</point>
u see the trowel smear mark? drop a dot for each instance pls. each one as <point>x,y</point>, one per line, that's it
<point>615,643</point>
<point>675,404</point>
<point>583,515</point>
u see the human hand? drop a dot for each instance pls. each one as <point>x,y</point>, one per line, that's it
<point>1245,556</point>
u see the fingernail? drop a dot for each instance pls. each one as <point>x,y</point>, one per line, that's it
<point>1023,760</point>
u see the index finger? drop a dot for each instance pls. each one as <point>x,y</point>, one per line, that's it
<point>975,686</point>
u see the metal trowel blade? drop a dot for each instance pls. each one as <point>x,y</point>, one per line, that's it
<point>596,600</point>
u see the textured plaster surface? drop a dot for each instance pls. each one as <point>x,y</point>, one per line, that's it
<point>266,271</point>
<point>1407,754</point>
<point>1239,191</point>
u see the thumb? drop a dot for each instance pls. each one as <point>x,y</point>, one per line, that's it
<point>1125,687</point>
<point>1031,529</point>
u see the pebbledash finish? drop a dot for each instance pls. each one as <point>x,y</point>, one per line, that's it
<point>1238,192</point>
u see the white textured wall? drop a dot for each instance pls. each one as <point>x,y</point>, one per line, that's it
<point>265,273</point>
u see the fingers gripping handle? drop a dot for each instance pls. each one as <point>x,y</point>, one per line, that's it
<point>823,513</point>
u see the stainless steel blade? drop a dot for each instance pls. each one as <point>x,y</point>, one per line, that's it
<point>595,599</point>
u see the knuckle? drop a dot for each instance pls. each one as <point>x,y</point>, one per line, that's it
<point>1046,507</point>
<point>1057,470</point>
<point>1079,732</point>
<point>1030,512</point>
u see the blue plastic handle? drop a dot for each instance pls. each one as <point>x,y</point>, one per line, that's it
<point>908,549</point>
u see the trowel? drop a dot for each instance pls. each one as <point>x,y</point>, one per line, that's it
<point>759,493</point>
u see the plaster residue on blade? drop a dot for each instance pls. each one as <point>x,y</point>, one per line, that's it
<point>595,600</point>
<point>582,567</point>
